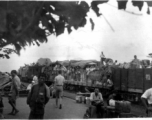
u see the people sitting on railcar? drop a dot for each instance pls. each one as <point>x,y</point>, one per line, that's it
<point>107,82</point>
<point>115,63</point>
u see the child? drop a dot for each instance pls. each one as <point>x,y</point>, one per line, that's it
<point>1,106</point>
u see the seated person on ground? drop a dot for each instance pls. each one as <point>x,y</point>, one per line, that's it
<point>97,101</point>
<point>113,98</point>
<point>147,99</point>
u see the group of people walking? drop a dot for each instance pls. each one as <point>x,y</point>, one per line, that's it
<point>38,95</point>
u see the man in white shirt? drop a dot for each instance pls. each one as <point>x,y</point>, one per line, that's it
<point>97,101</point>
<point>96,96</point>
<point>59,82</point>
<point>147,99</point>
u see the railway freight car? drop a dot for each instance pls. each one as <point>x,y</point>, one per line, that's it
<point>131,83</point>
<point>36,70</point>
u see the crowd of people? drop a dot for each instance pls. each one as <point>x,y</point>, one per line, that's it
<point>38,94</point>
<point>91,70</point>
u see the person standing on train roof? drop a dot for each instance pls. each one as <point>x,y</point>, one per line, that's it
<point>147,99</point>
<point>102,58</point>
<point>136,62</point>
<point>58,83</point>
<point>115,63</point>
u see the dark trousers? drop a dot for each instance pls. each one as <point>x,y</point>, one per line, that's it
<point>35,116</point>
<point>100,109</point>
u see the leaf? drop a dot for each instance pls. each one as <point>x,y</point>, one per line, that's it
<point>44,21</point>
<point>69,29</point>
<point>122,4</point>
<point>38,44</point>
<point>50,27</point>
<point>1,55</point>
<point>59,27</point>
<point>40,35</point>
<point>18,48</point>
<point>82,24</point>
<point>94,6</point>
<point>7,56</point>
<point>92,24</point>
<point>139,4</point>
<point>148,10</point>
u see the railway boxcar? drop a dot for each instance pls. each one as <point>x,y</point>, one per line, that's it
<point>148,79</point>
<point>131,83</point>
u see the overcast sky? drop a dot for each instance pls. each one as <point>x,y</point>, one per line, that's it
<point>126,36</point>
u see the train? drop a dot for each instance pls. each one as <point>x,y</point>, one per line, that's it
<point>129,83</point>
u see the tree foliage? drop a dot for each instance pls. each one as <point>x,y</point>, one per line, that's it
<point>20,20</point>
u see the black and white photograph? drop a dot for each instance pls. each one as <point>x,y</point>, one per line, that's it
<point>68,59</point>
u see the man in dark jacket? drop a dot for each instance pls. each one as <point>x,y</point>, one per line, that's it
<point>37,98</point>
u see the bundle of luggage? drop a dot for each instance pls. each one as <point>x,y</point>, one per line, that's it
<point>121,106</point>
<point>121,109</point>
